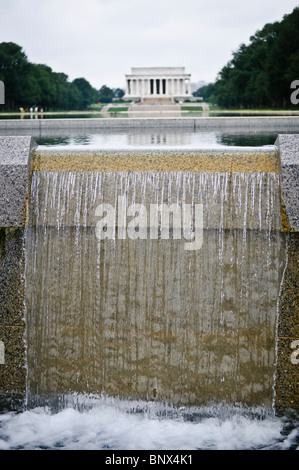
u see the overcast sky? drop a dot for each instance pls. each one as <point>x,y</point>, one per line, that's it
<point>101,40</point>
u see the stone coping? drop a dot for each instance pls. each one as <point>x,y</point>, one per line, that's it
<point>14,150</point>
<point>238,122</point>
<point>15,166</point>
<point>288,147</point>
<point>229,159</point>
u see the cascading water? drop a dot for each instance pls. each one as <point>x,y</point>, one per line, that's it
<point>141,317</point>
<point>139,343</point>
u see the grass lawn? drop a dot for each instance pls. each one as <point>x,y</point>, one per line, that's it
<point>191,108</point>
<point>117,109</point>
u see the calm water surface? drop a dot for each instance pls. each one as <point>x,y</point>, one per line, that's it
<point>161,139</point>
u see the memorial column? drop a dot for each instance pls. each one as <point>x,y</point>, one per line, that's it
<point>167,86</point>
<point>142,87</point>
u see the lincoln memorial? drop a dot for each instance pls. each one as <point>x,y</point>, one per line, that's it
<point>160,84</point>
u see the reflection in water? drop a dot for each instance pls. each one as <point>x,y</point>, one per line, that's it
<point>180,139</point>
<point>166,138</point>
<point>43,116</point>
<point>252,139</point>
<point>146,319</point>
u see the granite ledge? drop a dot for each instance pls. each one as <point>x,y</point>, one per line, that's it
<point>288,147</point>
<point>15,165</point>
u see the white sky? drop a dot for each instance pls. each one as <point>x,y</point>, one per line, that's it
<point>101,40</point>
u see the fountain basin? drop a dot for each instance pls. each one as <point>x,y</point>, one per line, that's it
<point>144,318</point>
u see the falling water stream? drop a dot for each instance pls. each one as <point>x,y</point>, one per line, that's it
<point>139,343</point>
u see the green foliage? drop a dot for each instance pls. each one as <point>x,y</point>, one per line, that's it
<point>106,94</point>
<point>260,74</point>
<point>28,84</point>
<point>118,93</point>
<point>86,93</point>
<point>117,109</point>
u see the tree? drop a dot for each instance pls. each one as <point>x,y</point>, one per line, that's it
<point>13,68</point>
<point>260,73</point>
<point>118,93</point>
<point>105,94</point>
<point>28,84</point>
<point>87,94</point>
<point>206,92</point>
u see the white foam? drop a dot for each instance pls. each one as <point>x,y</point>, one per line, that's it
<point>110,427</point>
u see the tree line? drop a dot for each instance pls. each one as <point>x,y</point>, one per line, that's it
<point>28,85</point>
<point>260,73</point>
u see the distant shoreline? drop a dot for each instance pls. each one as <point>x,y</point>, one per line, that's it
<point>210,112</point>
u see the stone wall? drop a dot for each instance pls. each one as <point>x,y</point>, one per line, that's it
<point>287,375</point>
<point>271,123</point>
<point>15,164</point>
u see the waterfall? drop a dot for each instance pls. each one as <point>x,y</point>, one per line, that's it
<point>145,318</point>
